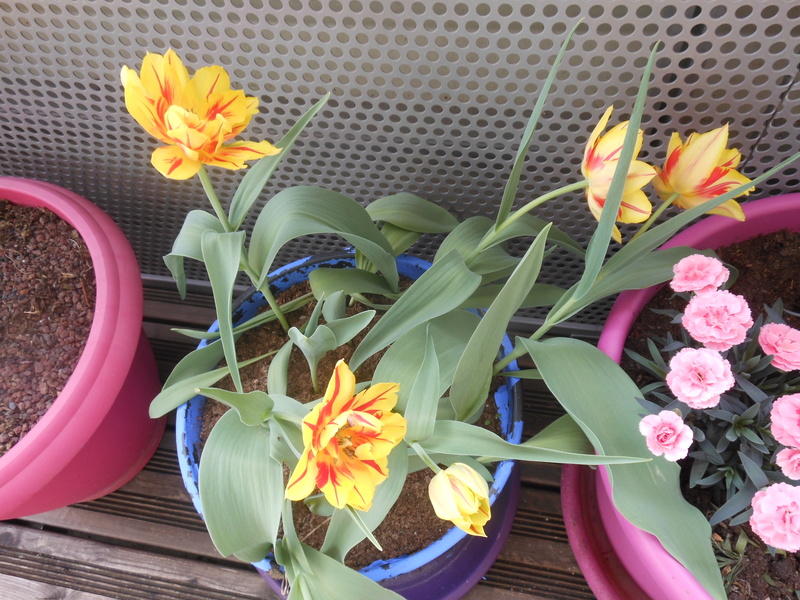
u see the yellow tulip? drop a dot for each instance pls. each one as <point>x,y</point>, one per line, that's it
<point>193,116</point>
<point>699,170</point>
<point>347,440</point>
<point>600,160</point>
<point>459,494</point>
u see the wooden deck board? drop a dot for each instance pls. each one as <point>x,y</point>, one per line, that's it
<point>145,541</point>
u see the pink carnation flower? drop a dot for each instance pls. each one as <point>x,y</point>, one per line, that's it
<point>718,319</point>
<point>698,376</point>
<point>776,516</point>
<point>785,418</point>
<point>698,273</point>
<point>784,343</point>
<point>788,460</point>
<point>667,434</point>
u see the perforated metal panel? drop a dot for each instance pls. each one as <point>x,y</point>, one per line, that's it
<point>427,97</point>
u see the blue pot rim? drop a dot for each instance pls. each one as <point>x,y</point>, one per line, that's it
<point>189,415</point>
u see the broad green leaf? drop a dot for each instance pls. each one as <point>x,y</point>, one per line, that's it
<point>187,244</point>
<point>420,411</point>
<point>601,398</point>
<point>315,347</point>
<point>474,372</point>
<point>257,176</point>
<point>598,244</point>
<point>350,281</point>
<point>253,408</point>
<point>403,360</point>
<point>510,191</point>
<point>412,213</point>
<point>343,534</point>
<point>306,210</point>
<point>222,253</point>
<point>241,489</point>
<point>439,290</point>
<point>399,239</point>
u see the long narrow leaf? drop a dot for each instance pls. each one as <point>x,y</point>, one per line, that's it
<point>439,290</point>
<point>510,191</point>
<point>420,411</point>
<point>222,253</point>
<point>257,176</point>
<point>187,244</point>
<point>598,245</point>
<point>474,372</point>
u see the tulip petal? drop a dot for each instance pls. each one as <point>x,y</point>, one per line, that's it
<point>171,162</point>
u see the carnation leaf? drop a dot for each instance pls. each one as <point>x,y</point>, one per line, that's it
<point>647,494</point>
<point>739,502</point>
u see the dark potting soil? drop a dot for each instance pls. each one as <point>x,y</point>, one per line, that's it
<point>46,308</point>
<point>769,269</point>
<point>412,524</point>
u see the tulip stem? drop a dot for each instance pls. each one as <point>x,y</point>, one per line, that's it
<point>213,199</point>
<point>424,456</point>
<point>656,213</point>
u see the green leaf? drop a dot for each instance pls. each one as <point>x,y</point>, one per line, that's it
<point>474,373</point>
<point>439,290</point>
<point>187,244</point>
<point>541,294</point>
<point>347,328</point>
<point>253,408</point>
<point>601,398</point>
<point>177,391</point>
<point>399,239</point>
<point>306,210</point>
<point>412,213</point>
<point>530,226</point>
<point>598,245</point>
<point>257,176</point>
<point>510,191</point>
<point>241,489</point>
<point>561,443</point>
<point>402,361</point>
<point>315,347</point>
<point>351,281</point>
<point>420,410</point>
<point>466,237</point>
<point>277,376</point>
<point>222,253</point>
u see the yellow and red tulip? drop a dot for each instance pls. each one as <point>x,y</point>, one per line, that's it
<point>193,116</point>
<point>600,160</point>
<point>700,169</point>
<point>460,495</point>
<point>347,439</point>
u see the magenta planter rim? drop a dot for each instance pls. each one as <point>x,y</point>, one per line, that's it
<point>639,555</point>
<point>71,455</point>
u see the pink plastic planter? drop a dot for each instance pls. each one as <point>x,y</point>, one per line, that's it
<point>97,435</point>
<point>620,561</point>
